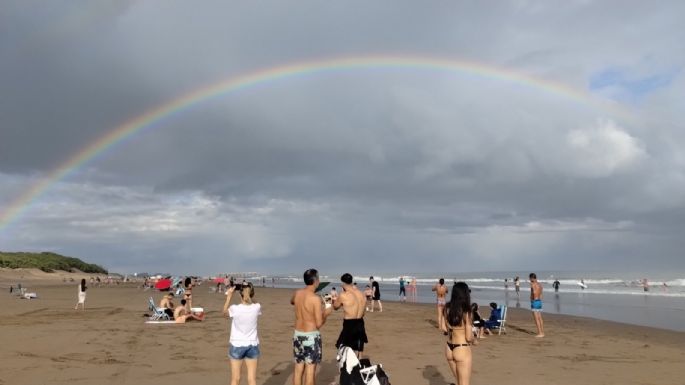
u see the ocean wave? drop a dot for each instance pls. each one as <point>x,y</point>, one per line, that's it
<point>654,293</point>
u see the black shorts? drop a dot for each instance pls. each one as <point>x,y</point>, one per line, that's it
<point>353,335</point>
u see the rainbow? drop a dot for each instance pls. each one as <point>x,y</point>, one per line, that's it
<point>240,82</point>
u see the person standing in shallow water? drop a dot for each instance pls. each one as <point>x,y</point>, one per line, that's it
<point>536,303</point>
<point>403,290</point>
<point>517,285</point>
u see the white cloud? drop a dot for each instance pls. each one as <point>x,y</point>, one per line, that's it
<point>602,150</point>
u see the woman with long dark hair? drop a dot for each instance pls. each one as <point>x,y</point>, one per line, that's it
<point>458,323</point>
<point>188,293</point>
<point>81,295</point>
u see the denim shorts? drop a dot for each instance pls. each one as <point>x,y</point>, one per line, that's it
<point>241,352</point>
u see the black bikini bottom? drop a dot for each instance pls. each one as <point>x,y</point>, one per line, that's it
<point>452,346</point>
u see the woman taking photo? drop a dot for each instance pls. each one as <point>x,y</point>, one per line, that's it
<point>244,342</point>
<point>458,327</point>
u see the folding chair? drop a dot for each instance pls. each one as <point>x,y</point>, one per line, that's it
<point>158,313</point>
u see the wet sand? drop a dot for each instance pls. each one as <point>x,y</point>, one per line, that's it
<point>44,341</point>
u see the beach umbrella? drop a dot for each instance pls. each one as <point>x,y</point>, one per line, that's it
<point>163,284</point>
<point>218,280</point>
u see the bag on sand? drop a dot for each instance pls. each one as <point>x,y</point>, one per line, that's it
<point>352,372</point>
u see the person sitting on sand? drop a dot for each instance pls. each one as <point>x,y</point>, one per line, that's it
<point>167,305</point>
<point>244,341</point>
<point>458,321</point>
<point>478,322</point>
<point>182,314</point>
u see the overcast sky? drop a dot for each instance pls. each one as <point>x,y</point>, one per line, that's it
<point>366,170</point>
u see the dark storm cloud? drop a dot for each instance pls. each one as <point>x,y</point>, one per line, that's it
<point>349,166</point>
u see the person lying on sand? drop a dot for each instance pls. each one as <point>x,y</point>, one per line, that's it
<point>181,314</point>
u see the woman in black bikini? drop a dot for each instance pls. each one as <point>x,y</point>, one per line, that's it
<point>458,319</point>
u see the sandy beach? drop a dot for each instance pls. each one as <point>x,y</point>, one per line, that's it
<point>44,341</point>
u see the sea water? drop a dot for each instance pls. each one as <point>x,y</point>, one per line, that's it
<point>613,297</point>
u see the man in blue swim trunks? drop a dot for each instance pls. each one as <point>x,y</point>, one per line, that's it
<point>536,303</point>
<point>310,315</point>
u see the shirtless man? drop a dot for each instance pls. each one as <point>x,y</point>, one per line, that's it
<point>440,292</point>
<point>353,301</point>
<point>309,317</point>
<point>167,304</point>
<point>536,303</point>
<point>181,314</point>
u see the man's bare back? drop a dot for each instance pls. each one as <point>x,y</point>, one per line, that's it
<point>308,314</point>
<point>353,303</point>
<point>535,291</point>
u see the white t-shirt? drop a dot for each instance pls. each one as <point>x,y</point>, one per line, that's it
<point>244,324</point>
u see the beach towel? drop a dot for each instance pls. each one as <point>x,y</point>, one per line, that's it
<point>352,372</point>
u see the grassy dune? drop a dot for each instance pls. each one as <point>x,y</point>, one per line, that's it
<point>47,262</point>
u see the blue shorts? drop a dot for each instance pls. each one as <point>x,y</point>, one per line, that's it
<point>244,352</point>
<point>536,305</point>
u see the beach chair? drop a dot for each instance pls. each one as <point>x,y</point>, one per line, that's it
<point>158,314</point>
<point>502,321</point>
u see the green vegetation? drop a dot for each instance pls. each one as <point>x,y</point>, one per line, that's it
<point>47,262</point>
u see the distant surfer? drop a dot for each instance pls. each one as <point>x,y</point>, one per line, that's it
<point>645,285</point>
<point>556,285</point>
<point>582,284</point>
